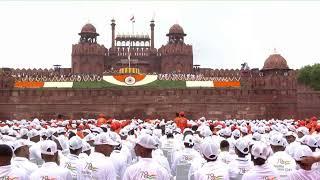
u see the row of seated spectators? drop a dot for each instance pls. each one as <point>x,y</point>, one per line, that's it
<point>59,77</point>
<point>56,77</point>
<point>194,77</point>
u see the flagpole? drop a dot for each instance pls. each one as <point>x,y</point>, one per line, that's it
<point>129,60</point>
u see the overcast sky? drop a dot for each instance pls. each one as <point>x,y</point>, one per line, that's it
<point>223,34</point>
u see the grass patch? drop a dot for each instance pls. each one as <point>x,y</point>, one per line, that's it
<point>94,84</point>
<point>166,84</point>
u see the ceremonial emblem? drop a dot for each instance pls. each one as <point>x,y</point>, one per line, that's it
<point>130,80</point>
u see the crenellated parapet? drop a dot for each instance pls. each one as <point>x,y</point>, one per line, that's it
<point>176,49</point>
<point>221,72</point>
<point>88,49</point>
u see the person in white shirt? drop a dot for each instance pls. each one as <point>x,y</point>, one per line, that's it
<point>305,171</point>
<point>35,152</point>
<point>8,171</point>
<point>187,155</point>
<point>225,155</point>
<point>261,170</point>
<point>86,150</point>
<point>72,161</point>
<point>280,159</point>
<point>213,168</point>
<point>292,141</point>
<point>21,159</point>
<point>99,164</point>
<point>119,160</point>
<point>50,169</point>
<point>240,164</point>
<point>147,167</point>
<point>233,139</point>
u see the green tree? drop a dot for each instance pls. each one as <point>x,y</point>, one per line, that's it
<point>310,75</point>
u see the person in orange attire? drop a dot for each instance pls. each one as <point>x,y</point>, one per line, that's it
<point>79,131</point>
<point>101,120</point>
<point>182,122</point>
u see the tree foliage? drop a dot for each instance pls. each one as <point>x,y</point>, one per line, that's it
<point>310,75</point>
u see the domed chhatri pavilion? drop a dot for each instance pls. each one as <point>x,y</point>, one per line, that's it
<point>90,57</point>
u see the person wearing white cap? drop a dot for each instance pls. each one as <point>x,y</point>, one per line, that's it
<point>261,170</point>
<point>310,141</point>
<point>225,155</point>
<point>118,157</point>
<point>8,171</point>
<point>302,131</point>
<point>23,133</point>
<point>305,171</point>
<point>232,140</point>
<point>187,155</point>
<point>35,151</point>
<point>240,164</point>
<point>99,164</point>
<point>280,159</point>
<point>21,159</point>
<point>86,150</point>
<point>50,169</point>
<point>72,161</point>
<point>213,168</point>
<point>293,143</point>
<point>146,167</point>
<point>62,146</point>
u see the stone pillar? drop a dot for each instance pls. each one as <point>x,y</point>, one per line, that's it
<point>113,25</point>
<point>152,33</point>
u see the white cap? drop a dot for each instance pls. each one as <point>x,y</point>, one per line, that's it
<point>89,137</point>
<point>210,149</point>
<point>48,147</point>
<point>147,141</point>
<point>104,138</point>
<point>304,130</point>
<point>290,133</point>
<point>189,139</point>
<point>206,132</point>
<point>302,151</point>
<point>61,130</point>
<point>123,132</point>
<point>32,133</point>
<point>23,132</point>
<point>75,143</point>
<point>236,133</point>
<point>244,129</point>
<point>310,141</point>
<point>187,129</point>
<point>261,129</point>
<point>227,131</point>
<point>85,146</point>
<point>242,145</point>
<point>256,136</point>
<point>260,150</point>
<point>278,140</point>
<point>168,131</point>
<point>19,143</point>
<point>63,141</point>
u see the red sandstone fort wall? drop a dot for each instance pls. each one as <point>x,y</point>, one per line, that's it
<point>144,103</point>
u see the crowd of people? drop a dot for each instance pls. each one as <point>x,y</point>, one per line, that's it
<point>55,76</point>
<point>194,77</point>
<point>181,149</point>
